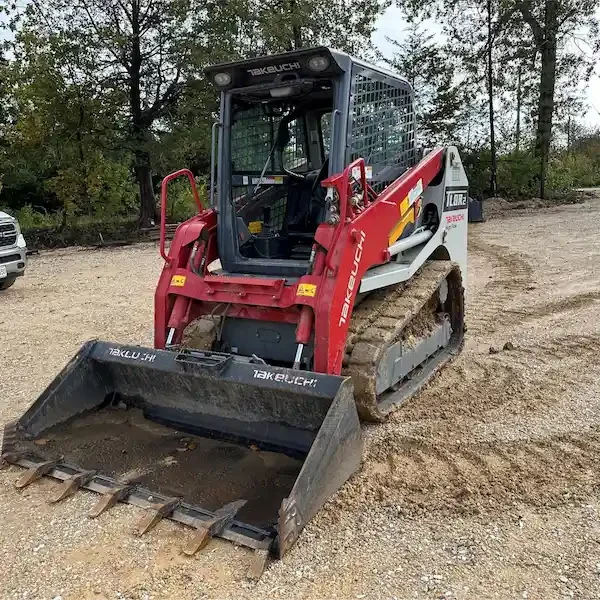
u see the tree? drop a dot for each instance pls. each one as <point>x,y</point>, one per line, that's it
<point>550,22</point>
<point>145,48</point>
<point>292,24</point>
<point>56,135</point>
<point>134,54</point>
<point>438,100</point>
<point>146,58</point>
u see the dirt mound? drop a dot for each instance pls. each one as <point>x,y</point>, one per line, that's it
<point>497,207</point>
<point>470,442</point>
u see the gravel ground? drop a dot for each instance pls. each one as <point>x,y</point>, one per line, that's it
<point>485,485</point>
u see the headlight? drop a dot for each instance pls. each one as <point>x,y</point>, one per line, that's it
<point>318,63</point>
<point>18,227</point>
<point>222,79</point>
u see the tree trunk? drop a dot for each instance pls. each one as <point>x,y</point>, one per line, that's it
<point>296,41</point>
<point>519,95</point>
<point>140,128</point>
<point>84,195</point>
<point>143,176</point>
<point>546,99</point>
<point>490,89</point>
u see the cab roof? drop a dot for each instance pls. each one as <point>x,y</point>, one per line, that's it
<point>291,65</point>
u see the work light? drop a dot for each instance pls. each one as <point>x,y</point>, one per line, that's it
<point>222,79</point>
<point>318,63</point>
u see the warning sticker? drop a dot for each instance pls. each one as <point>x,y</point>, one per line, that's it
<point>307,289</point>
<point>368,172</point>
<point>255,226</point>
<point>178,280</point>
<point>269,180</point>
<point>416,191</point>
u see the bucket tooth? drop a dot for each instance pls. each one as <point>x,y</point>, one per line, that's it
<point>11,458</point>
<point>109,499</point>
<point>34,473</point>
<point>202,536</point>
<point>259,564</point>
<point>155,514</point>
<point>69,486</point>
<point>216,525</point>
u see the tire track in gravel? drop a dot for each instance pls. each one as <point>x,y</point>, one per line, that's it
<point>529,378</point>
<point>556,307</point>
<point>511,275</point>
<point>480,436</point>
<point>421,475</point>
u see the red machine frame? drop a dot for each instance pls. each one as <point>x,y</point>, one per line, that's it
<point>321,302</point>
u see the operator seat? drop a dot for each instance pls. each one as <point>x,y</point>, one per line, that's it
<point>305,207</point>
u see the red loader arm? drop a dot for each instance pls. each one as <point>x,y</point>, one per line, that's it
<point>322,301</point>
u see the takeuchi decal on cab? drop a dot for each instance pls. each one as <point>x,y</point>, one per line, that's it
<point>272,69</point>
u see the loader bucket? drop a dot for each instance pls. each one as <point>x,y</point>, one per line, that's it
<point>237,449</point>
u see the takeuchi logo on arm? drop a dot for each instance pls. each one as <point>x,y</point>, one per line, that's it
<point>352,279</point>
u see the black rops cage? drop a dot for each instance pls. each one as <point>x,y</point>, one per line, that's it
<point>335,109</point>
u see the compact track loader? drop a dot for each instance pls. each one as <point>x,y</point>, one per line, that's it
<point>323,283</point>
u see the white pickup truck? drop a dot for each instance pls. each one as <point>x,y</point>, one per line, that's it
<point>13,251</point>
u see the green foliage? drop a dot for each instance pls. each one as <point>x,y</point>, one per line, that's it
<point>99,91</point>
<point>91,99</point>
<point>181,204</point>
<point>100,188</point>
<point>569,170</point>
<point>29,218</point>
<point>517,175</point>
<point>438,98</point>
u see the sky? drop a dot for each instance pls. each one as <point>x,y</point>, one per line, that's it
<point>392,24</point>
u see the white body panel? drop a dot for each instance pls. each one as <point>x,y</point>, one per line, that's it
<point>448,197</point>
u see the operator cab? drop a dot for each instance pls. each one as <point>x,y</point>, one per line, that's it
<point>279,157</point>
<point>287,122</point>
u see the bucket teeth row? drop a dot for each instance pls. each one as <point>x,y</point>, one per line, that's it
<point>121,492</point>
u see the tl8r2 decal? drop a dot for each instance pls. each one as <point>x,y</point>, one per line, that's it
<point>456,199</point>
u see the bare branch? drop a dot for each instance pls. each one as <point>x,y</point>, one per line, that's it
<point>525,7</point>
<point>120,59</point>
<point>127,13</point>
<point>146,13</point>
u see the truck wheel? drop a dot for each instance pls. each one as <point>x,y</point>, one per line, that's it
<point>6,283</point>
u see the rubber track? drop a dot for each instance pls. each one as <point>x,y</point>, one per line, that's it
<point>378,322</point>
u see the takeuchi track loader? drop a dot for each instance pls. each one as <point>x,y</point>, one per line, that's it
<point>323,283</point>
